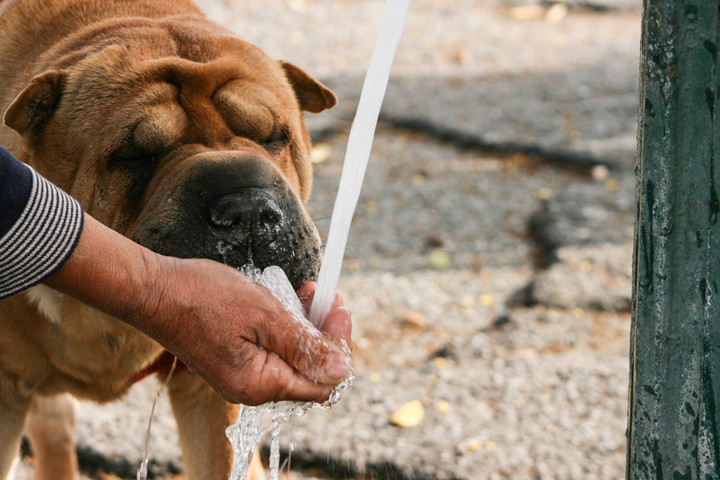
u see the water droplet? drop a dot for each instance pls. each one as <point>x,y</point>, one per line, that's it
<point>142,470</point>
<point>223,248</point>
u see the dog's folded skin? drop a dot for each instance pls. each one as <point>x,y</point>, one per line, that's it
<point>177,134</point>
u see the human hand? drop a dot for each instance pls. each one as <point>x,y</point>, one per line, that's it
<point>229,330</point>
<point>241,340</point>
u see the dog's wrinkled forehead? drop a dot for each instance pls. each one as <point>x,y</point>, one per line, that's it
<point>206,104</point>
<point>122,98</point>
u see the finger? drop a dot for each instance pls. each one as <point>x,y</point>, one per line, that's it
<point>291,385</point>
<point>338,325</point>
<point>269,378</point>
<point>317,357</point>
<point>306,293</point>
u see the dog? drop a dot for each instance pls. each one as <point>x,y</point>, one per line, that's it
<point>174,132</point>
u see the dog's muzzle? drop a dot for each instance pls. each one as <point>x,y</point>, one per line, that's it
<point>237,211</point>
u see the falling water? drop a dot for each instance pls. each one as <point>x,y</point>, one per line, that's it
<point>356,156</point>
<point>245,434</point>
<point>142,471</point>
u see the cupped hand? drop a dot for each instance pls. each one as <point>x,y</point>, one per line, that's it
<point>241,340</point>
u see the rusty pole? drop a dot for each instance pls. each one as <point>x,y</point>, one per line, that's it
<point>674,423</point>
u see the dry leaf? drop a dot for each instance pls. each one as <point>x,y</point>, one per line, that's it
<point>545,193</point>
<point>523,13</point>
<point>442,406</point>
<point>612,185</point>
<point>414,318</point>
<point>474,446</point>
<point>556,13</point>
<point>320,152</point>
<point>439,259</point>
<point>486,300</point>
<point>409,415</point>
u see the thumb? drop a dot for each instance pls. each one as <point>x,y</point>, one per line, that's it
<point>292,337</point>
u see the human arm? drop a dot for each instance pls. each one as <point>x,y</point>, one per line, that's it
<point>222,325</point>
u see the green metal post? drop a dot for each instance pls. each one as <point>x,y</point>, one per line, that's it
<point>674,422</point>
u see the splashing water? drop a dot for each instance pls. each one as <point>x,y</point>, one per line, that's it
<point>357,155</point>
<point>246,433</point>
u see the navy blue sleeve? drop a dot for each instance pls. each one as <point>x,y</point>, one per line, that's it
<point>40,226</point>
<point>15,187</point>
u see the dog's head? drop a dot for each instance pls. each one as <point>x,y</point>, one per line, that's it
<point>182,137</point>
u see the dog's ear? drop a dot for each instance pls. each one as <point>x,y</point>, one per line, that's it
<point>35,105</point>
<point>313,96</point>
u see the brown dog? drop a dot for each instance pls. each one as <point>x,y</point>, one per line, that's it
<point>174,132</point>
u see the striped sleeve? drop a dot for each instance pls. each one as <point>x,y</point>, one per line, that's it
<point>42,238</point>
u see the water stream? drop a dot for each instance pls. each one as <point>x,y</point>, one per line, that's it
<point>246,433</point>
<point>357,154</point>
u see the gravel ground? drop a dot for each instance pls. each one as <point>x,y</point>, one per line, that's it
<point>488,264</point>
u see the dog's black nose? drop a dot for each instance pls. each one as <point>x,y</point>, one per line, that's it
<point>251,211</point>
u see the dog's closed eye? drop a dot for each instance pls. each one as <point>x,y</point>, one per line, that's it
<point>135,163</point>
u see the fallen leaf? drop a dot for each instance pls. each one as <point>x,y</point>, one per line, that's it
<point>524,13</point>
<point>442,406</point>
<point>486,300</point>
<point>414,318</point>
<point>475,445</point>
<point>439,259</point>
<point>612,185</point>
<point>409,415</point>
<point>320,152</point>
<point>556,13</point>
<point>545,193</point>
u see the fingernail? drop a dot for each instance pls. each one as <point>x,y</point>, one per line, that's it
<point>337,367</point>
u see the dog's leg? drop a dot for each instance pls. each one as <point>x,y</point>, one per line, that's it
<point>13,409</point>
<point>51,428</point>
<point>202,417</point>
